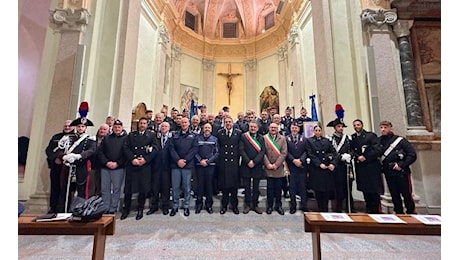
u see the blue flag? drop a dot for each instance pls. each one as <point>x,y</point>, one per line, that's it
<point>314,114</point>
<point>192,108</point>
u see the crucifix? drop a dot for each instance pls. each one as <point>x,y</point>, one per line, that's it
<point>229,76</point>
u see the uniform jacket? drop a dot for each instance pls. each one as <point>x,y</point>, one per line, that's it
<point>183,145</point>
<point>286,122</point>
<point>136,145</point>
<point>229,158</point>
<point>368,173</point>
<point>404,154</point>
<point>320,150</point>
<point>275,158</point>
<point>248,153</point>
<point>52,151</point>
<point>208,148</point>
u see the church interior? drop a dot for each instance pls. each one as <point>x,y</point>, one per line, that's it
<point>381,60</point>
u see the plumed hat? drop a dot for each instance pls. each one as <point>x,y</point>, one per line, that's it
<point>82,120</point>
<point>340,114</point>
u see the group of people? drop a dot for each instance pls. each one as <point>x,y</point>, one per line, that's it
<point>175,155</point>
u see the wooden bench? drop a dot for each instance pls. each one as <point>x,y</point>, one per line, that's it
<point>99,229</point>
<point>363,224</point>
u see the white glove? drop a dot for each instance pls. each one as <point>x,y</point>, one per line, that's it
<point>78,156</point>
<point>346,157</point>
<point>67,158</point>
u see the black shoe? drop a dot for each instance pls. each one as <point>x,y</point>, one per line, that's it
<point>246,210</point>
<point>222,211</point>
<point>151,211</point>
<point>173,212</point>
<point>140,214</point>
<point>292,210</point>
<point>186,212</point>
<point>269,211</point>
<point>165,211</point>
<point>236,211</point>
<point>280,210</point>
<point>197,211</point>
<point>257,210</point>
<point>209,210</point>
<point>124,215</point>
<point>286,194</point>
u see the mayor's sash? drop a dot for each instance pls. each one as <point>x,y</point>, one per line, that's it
<point>253,141</point>
<point>272,144</point>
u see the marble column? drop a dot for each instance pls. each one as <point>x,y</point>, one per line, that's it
<point>415,115</point>
<point>250,94</point>
<point>163,66</point>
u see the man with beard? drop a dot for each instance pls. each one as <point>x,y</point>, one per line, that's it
<point>140,148</point>
<point>368,169</point>
<point>54,152</point>
<point>252,150</point>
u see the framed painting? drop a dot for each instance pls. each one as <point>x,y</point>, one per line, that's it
<point>308,130</point>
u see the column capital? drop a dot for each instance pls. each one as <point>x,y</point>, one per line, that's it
<point>176,52</point>
<point>69,19</point>
<point>375,4</point>
<point>208,65</point>
<point>282,53</point>
<point>250,65</point>
<point>163,34</point>
<point>293,36</point>
<point>379,17</point>
<point>402,28</point>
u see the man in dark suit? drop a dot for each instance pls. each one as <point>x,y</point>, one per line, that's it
<point>252,150</point>
<point>161,172</point>
<point>296,160</point>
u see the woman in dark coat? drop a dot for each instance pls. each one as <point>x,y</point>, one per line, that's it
<point>324,159</point>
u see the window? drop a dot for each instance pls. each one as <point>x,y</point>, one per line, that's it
<point>190,20</point>
<point>269,20</point>
<point>229,30</point>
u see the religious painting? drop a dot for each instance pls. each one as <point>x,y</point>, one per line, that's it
<point>269,98</point>
<point>188,93</point>
<point>308,128</point>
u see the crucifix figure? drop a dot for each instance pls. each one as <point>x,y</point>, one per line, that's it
<point>229,76</point>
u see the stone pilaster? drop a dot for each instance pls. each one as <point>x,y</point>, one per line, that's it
<point>282,72</point>
<point>251,100</point>
<point>176,54</point>
<point>209,67</point>
<point>64,95</point>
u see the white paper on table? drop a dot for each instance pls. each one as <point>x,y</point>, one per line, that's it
<point>386,218</point>
<point>428,219</point>
<point>60,216</point>
<point>342,217</point>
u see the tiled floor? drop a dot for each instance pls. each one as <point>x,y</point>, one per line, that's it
<point>229,236</point>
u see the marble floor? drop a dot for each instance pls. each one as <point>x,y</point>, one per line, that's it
<point>228,236</point>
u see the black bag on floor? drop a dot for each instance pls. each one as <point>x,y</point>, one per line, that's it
<point>87,210</point>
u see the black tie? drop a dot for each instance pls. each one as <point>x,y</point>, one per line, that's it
<point>228,133</point>
<point>295,139</point>
<point>164,140</point>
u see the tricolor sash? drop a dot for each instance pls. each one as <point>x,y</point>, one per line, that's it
<point>253,141</point>
<point>272,144</point>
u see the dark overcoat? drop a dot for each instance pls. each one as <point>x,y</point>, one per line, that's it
<point>320,150</point>
<point>229,159</point>
<point>368,173</point>
<point>138,178</point>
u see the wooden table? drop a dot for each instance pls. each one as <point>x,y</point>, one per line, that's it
<point>363,224</point>
<point>99,229</point>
